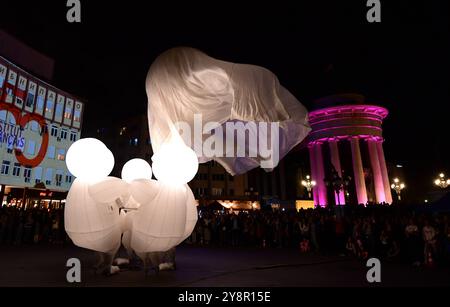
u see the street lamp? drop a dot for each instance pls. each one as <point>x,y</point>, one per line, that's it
<point>441,181</point>
<point>308,184</point>
<point>398,186</point>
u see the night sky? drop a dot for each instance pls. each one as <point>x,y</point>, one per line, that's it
<point>316,48</point>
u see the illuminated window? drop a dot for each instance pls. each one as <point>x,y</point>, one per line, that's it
<point>61,154</point>
<point>16,169</point>
<point>73,136</point>
<point>54,131</point>
<point>77,115</point>
<point>27,174</point>
<point>31,147</point>
<point>19,101</point>
<point>68,113</point>
<point>51,152</point>
<point>216,191</point>
<point>5,167</point>
<point>49,106</point>
<point>30,100</point>
<point>37,174</point>
<point>48,176</point>
<point>40,104</point>
<point>58,178</point>
<point>134,141</point>
<point>68,178</point>
<point>34,126</point>
<point>59,110</point>
<point>9,95</point>
<point>63,134</point>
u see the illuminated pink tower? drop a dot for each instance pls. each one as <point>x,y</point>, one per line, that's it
<point>347,135</point>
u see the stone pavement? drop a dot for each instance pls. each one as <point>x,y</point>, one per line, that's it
<point>45,265</point>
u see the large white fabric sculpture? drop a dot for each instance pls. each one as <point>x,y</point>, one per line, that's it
<point>184,82</point>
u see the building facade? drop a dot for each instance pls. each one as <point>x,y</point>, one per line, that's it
<point>347,138</point>
<point>38,123</point>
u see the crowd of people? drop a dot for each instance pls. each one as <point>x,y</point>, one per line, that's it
<point>32,226</point>
<point>383,231</point>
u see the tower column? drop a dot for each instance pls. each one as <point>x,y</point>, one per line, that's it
<point>320,175</point>
<point>334,153</point>
<point>360,184</point>
<point>312,162</point>
<point>384,172</point>
<point>376,170</point>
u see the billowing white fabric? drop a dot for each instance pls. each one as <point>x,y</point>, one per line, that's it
<point>165,221</point>
<point>89,223</point>
<point>183,81</point>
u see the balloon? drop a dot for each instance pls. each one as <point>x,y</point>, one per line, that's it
<point>174,163</point>
<point>89,159</point>
<point>136,169</point>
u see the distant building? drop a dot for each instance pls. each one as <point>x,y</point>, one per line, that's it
<point>38,123</point>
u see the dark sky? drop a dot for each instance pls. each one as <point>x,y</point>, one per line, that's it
<point>316,48</point>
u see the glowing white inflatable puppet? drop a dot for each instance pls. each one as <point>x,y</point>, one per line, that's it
<point>91,216</point>
<point>166,212</point>
<point>184,83</point>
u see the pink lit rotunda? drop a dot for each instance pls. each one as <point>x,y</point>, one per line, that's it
<point>347,136</point>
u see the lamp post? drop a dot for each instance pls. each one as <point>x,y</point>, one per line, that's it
<point>398,186</point>
<point>308,184</point>
<point>442,182</point>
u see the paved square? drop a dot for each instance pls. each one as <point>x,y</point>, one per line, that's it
<point>206,267</point>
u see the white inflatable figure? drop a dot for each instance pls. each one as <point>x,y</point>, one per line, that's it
<point>166,220</point>
<point>91,215</point>
<point>166,210</point>
<point>183,83</point>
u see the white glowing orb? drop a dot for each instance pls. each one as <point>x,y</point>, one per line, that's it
<point>174,163</point>
<point>136,169</point>
<point>89,159</point>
